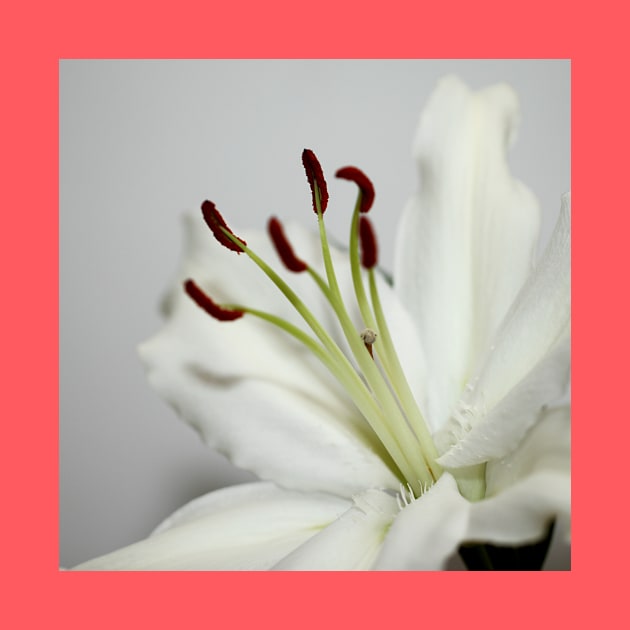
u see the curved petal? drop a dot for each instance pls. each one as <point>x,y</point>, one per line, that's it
<point>252,391</point>
<point>528,488</point>
<point>466,241</point>
<point>527,367</point>
<point>521,514</point>
<point>428,531</point>
<point>352,542</point>
<point>546,447</point>
<point>248,527</point>
<point>525,491</point>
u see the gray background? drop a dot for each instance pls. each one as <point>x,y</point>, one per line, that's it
<point>142,141</point>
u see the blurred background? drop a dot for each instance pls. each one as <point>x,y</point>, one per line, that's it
<point>141,141</point>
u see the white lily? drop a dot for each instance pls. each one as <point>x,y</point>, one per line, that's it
<point>443,437</point>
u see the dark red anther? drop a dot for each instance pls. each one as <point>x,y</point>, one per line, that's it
<point>353,174</point>
<point>369,252</point>
<point>315,177</point>
<point>207,304</point>
<point>283,247</point>
<point>217,224</point>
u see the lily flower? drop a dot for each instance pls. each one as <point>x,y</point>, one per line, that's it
<point>391,425</point>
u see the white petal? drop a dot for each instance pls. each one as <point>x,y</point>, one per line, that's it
<point>428,531</point>
<point>525,492</point>
<point>527,367</point>
<point>252,391</point>
<point>352,542</point>
<point>529,487</point>
<point>248,527</point>
<point>467,239</point>
<point>546,447</point>
<point>522,513</point>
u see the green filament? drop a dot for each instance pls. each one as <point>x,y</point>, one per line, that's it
<point>378,388</point>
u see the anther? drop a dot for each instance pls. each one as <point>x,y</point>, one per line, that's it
<point>283,247</point>
<point>316,180</point>
<point>369,254</point>
<point>208,305</point>
<point>217,224</point>
<point>353,174</point>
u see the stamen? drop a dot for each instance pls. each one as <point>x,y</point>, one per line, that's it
<point>208,305</point>
<point>393,417</point>
<point>396,435</point>
<point>361,229</point>
<point>283,247</point>
<point>353,174</point>
<point>217,224</point>
<point>316,180</point>
<point>369,255</point>
<point>341,367</point>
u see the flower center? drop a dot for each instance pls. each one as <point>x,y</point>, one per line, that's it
<point>375,382</point>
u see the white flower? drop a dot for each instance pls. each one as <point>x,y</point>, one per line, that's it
<point>440,435</point>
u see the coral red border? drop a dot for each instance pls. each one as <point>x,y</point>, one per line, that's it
<point>36,35</point>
